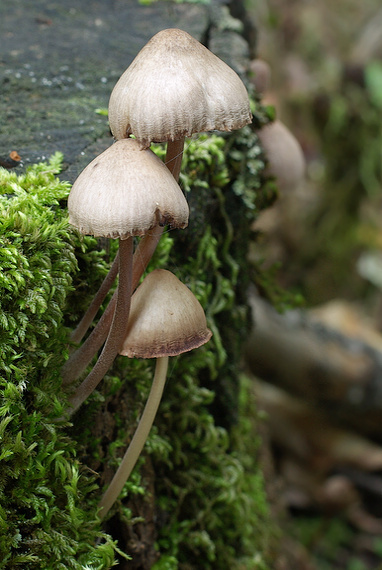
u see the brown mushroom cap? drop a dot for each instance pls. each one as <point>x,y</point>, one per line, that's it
<point>176,87</point>
<point>165,319</point>
<point>126,191</point>
<point>261,75</point>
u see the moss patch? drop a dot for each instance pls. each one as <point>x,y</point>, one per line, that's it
<point>47,517</point>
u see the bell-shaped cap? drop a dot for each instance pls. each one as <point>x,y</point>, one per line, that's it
<point>260,75</point>
<point>165,319</point>
<point>176,87</point>
<point>126,191</point>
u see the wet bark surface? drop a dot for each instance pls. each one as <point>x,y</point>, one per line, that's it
<point>59,62</point>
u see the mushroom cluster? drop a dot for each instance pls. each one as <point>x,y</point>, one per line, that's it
<point>174,88</point>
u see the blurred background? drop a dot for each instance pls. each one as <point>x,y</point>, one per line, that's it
<point>316,352</point>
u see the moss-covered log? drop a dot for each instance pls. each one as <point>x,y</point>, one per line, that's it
<point>196,498</point>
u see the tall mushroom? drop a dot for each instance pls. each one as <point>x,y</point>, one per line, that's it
<point>165,320</point>
<point>124,192</point>
<point>174,87</point>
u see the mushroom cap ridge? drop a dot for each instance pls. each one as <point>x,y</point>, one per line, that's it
<point>176,87</point>
<point>165,318</point>
<point>126,191</point>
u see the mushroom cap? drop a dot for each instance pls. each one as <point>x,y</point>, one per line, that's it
<point>261,75</point>
<point>286,161</point>
<point>126,191</point>
<point>176,87</point>
<point>165,318</point>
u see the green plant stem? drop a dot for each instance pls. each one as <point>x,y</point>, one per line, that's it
<point>137,443</point>
<point>117,331</point>
<point>81,358</point>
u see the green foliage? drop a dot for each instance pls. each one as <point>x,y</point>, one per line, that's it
<point>343,223</point>
<point>266,279</point>
<point>47,517</point>
<point>373,81</point>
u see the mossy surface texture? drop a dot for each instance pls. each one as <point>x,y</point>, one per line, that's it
<point>195,498</point>
<point>46,518</point>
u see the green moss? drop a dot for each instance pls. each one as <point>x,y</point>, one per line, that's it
<point>200,475</point>
<point>47,517</point>
<point>210,486</point>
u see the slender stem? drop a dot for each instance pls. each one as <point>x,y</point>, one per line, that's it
<point>80,331</point>
<point>136,445</point>
<point>174,155</point>
<point>80,359</point>
<point>117,330</point>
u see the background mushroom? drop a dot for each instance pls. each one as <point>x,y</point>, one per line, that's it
<point>286,161</point>
<point>260,75</point>
<point>166,320</point>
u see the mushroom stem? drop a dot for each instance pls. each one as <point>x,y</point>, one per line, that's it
<point>136,445</point>
<point>117,330</point>
<point>82,357</point>
<point>174,155</point>
<point>80,331</point>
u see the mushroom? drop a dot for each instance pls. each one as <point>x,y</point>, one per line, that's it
<point>176,87</point>
<point>124,192</point>
<point>260,75</point>
<point>165,320</point>
<point>283,152</point>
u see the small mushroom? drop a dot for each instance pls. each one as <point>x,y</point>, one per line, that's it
<point>176,87</point>
<point>260,75</point>
<point>285,157</point>
<point>124,192</point>
<point>166,320</point>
